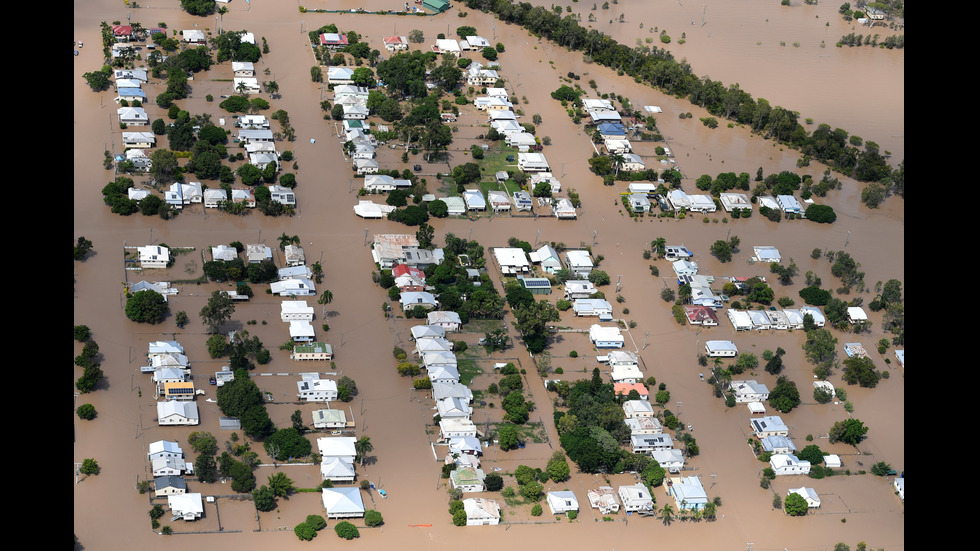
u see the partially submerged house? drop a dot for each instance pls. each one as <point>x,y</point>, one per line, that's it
<point>481,511</point>
<point>343,502</point>
<point>604,499</point>
<point>172,412</point>
<point>562,502</point>
<point>186,506</point>
<point>688,493</point>
<point>636,497</point>
<point>606,337</point>
<point>786,464</point>
<point>748,391</point>
<point>720,349</point>
<point>769,426</point>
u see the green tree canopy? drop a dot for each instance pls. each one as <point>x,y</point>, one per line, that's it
<point>849,431</point>
<point>795,505</point>
<point>146,307</point>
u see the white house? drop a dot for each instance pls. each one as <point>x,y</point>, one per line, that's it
<point>512,260</point>
<point>456,428</point>
<point>164,449</point>
<point>337,446</point>
<point>564,209</point>
<point>578,288</point>
<point>766,254</point>
<point>301,331</point>
<point>395,43</point>
<point>562,502</point>
<point>247,84</point>
<point>194,36</point>
<point>647,443</point>
<point>329,419</point>
<point>186,506</point>
<point>343,502</point>
<point>337,469</point>
<point>778,444</point>
<point>243,69</point>
<point>670,460</point>
<point>296,310</point>
<point>593,307</point>
<point>548,258</point>
<point>749,391</point>
<point>498,200</point>
<point>604,499</point>
<point>523,201</point>
<point>132,116</point>
<point>818,319</point>
<point>169,485</point>
<point>808,494</point>
<point>474,200</point>
<point>579,263</point>
<point>644,425</point>
<point>314,389</point>
<point>532,162</point>
<point>856,314</point>
<point>172,412</point>
<point>720,349</point>
<point>283,195</point>
<point>637,408</point>
<point>467,479</point>
<point>741,320</point>
<point>168,466</point>
<point>685,268</point>
<point>732,201</point>
<point>153,256</point>
<point>340,75</point>
<point>293,287</point>
<point>786,464</point>
<point>448,321</point>
<point>606,337</point>
<point>769,426</point>
<point>626,374</point>
<point>899,485</point>
<point>481,512</point>
<point>139,140</point>
<point>788,203</point>
<point>214,198</point>
<point>444,45</point>
<point>636,498</point>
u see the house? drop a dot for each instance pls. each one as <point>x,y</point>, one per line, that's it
<point>248,85</point>
<point>562,502</point>
<point>532,162</point>
<point>593,307</point>
<point>337,469</point>
<point>778,444</point>
<point>169,466</point>
<point>808,494</point>
<point>429,331</point>
<point>756,409</point>
<point>293,287</point>
<point>769,426</point>
<point>619,358</point>
<point>670,460</point>
<point>646,443</point>
<point>644,425</point>
<point>832,461</point>
<point>375,183</point>
<point>497,92</point>
<point>638,202</point>
<point>162,287</point>
<point>632,162</point>
<point>467,479</point>
<point>733,201</point>
<point>479,511</point>
<point>443,373</point>
<point>476,75</point>
<point>172,412</point>
<point>760,321</point>
<point>777,320</point>
<point>314,389</point>
<point>293,272</point>
<point>139,140</point>
<point>856,314</point>
<point>794,318</point>
<point>329,419</point>
<point>701,315</point>
<point>455,205</point>
<point>181,194</point>
<point>606,337</point>
<point>748,391</point>
<point>629,374</point>
<point>474,200</point>
<point>301,331</point>
<point>547,177</point>
<point>547,257</point>
<point>678,199</point>
<point>604,116</point>
<point>688,493</point>
<point>512,260</point>
<point>345,91</point>
<point>423,299</point>
<point>122,33</point>
<point>256,253</point>
<point>447,45</point>
<point>186,506</point>
<point>456,428</point>
<point>260,135</point>
<point>243,69</point>
<point>194,36</point>
<point>169,485</point>
<point>244,196</point>
<point>578,289</point>
<point>366,166</point>
<point>636,498</point>
<point>283,195</point>
<point>523,141</point>
<point>395,43</point>
<point>466,445</point>
<point>767,201</point>
<point>617,147</point>
<point>677,252</point>
<point>130,95</point>
<point>215,198</point>
<point>343,502</point>
<point>612,129</point>
<point>424,346</point>
<point>702,203</point>
<point>132,116</point>
<point>720,349</point>
<point>333,41</point>
<point>226,375</point>
<point>645,188</point>
<point>595,104</point>
<point>164,449</point>
<point>340,75</point>
<point>498,200</point>
<point>604,499</point>
<point>153,256</point>
<point>140,161</point>
<point>788,203</point>
<point>312,351</point>
<point>579,263</point>
<point>262,160</point>
<point>177,390</point>
<point>899,485</point>
<point>132,74</point>
<point>766,254</point>
<point>685,268</point>
<point>448,321</point>
<point>158,348</point>
<point>637,408</point>
<point>337,446</point>
<point>355,112</point>
<point>786,464</point>
<point>442,391</point>
<point>477,42</point>
<point>815,313</point>
<point>294,255</point>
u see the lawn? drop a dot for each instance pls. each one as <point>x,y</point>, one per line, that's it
<point>468,369</point>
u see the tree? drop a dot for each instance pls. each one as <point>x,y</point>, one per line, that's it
<point>489,53</point>
<point>509,437</point>
<point>599,278</point>
<point>362,447</point>
<point>558,469</point>
<point>198,7</point>
<point>206,469</point>
<point>316,522</point>
<point>721,250</point>
<point>264,499</point>
<point>346,388</point>
<point>203,442</point>
<point>280,485</point>
<point>416,36</point>
<point>795,505</point>
<point>86,412</point>
<point>873,195</point>
<point>823,214</point>
<point>346,530</point>
<point>881,469</point>
<point>163,165</point>
<point>654,474</point>
<point>849,431</point>
<point>811,453</point>
<point>146,307</point>
<point>667,514</point>
<point>286,443</point>
<point>494,482</point>
<point>425,235</point>
<point>784,396</point>
<point>89,467</point>
<point>373,518</point>
<point>325,298</point>
<point>82,248</point>
<point>217,311</point>
<point>98,80</point>
<point>364,77</point>
<point>860,370</point>
<point>438,208</point>
<point>304,531</point>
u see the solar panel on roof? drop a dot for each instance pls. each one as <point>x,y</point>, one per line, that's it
<point>536,283</point>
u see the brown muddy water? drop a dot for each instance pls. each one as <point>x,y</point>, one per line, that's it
<point>110,514</point>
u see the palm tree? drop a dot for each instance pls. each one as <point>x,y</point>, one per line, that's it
<point>326,297</point>
<point>242,89</point>
<point>659,245</point>
<point>709,511</point>
<point>272,87</point>
<point>362,447</point>
<point>222,10</point>
<point>287,240</point>
<point>317,270</point>
<point>667,513</point>
<point>618,161</point>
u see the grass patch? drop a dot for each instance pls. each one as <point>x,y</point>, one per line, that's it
<point>484,326</point>
<point>468,369</point>
<point>528,432</point>
<point>495,160</point>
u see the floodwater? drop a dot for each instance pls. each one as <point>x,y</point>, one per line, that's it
<point>110,514</point>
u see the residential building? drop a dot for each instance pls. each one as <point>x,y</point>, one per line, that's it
<point>337,446</point>
<point>701,315</point>
<point>498,200</point>
<point>337,469</point>
<point>636,497</point>
<point>448,321</point>
<point>164,449</point>
<point>314,389</point>
<point>677,252</point>
<point>474,200</point>
<point>186,506</point>
<point>732,201</point>
<point>215,198</point>
<point>329,419</point>
<point>243,69</point>
<point>688,493</point>
<point>390,248</point>
<point>511,260</point>
<point>562,502</point>
<point>789,204</point>
<point>548,259</point>
<point>194,36</point>
<point>604,499</point>
<point>481,511</point>
<point>818,319</point>
<point>856,314</point>
<point>593,307</point>
<point>578,289</point>
<point>720,349</point>
<point>626,374</point>
<point>579,263</point>
<point>296,310</point>
<point>172,412</point>
<point>748,391</point>
<point>169,466</point>
<point>644,425</point>
<point>786,464</point>
<point>301,331</point>
<point>343,502</point>
<point>564,210</point>
<point>428,331</point>
<point>395,43</point>
<point>769,426</point>
<point>283,195</point>
<point>333,41</point>
<point>293,287</point>
<point>808,494</point>
<point>139,140</point>
<point>647,443</point>
<point>637,408</point>
<point>685,268</point>
<point>532,162</point>
<point>670,460</point>
<point>412,299</point>
<point>153,256</point>
<point>456,428</point>
<point>467,479</point>
<point>778,444</point>
<point>766,254</point>
<point>606,337</point>
<point>169,485</point>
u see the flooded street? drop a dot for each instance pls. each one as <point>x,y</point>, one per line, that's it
<point>830,85</point>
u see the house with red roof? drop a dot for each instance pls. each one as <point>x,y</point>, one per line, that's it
<point>395,43</point>
<point>122,33</point>
<point>334,41</point>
